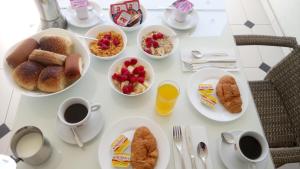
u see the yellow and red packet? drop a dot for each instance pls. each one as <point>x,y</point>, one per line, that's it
<point>120,144</point>
<point>121,160</point>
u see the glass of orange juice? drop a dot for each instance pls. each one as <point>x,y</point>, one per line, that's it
<point>166,97</point>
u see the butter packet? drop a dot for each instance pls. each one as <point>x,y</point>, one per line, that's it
<point>205,88</point>
<point>209,100</point>
<point>120,144</point>
<point>120,160</point>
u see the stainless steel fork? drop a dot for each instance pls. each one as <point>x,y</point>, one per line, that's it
<point>178,140</point>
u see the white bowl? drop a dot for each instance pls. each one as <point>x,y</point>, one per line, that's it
<point>120,61</point>
<point>93,32</point>
<point>135,27</point>
<point>78,47</point>
<point>165,30</point>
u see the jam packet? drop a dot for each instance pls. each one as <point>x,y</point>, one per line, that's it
<point>120,160</point>
<point>183,6</point>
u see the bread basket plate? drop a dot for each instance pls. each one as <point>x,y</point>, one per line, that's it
<point>127,127</point>
<point>212,76</point>
<point>78,47</point>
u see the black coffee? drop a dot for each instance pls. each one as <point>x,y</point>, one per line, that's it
<point>250,147</point>
<point>75,113</point>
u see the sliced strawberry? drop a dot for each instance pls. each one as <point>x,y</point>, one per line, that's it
<point>142,73</point>
<point>126,90</point>
<point>127,63</point>
<point>116,41</point>
<point>133,61</point>
<point>154,36</point>
<point>149,40</point>
<point>155,44</point>
<point>115,76</point>
<point>133,79</point>
<point>124,78</point>
<point>125,71</point>
<point>160,35</point>
<point>149,44</point>
<point>106,42</point>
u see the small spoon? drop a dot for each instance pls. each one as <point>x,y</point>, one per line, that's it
<point>227,138</point>
<point>85,37</point>
<point>197,54</point>
<point>76,137</point>
<point>202,153</point>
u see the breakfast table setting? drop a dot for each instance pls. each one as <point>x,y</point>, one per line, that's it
<point>143,86</point>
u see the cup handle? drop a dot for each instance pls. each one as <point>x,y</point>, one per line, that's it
<point>17,159</point>
<point>95,107</point>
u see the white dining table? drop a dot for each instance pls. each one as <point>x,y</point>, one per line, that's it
<point>94,86</point>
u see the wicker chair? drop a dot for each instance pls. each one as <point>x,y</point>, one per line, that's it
<point>277,99</point>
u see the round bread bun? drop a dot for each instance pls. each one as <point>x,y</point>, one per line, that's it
<point>52,79</point>
<point>26,74</point>
<point>56,44</point>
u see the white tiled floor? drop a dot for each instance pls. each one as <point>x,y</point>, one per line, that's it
<point>238,11</point>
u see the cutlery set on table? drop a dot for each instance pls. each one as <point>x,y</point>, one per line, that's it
<point>194,60</point>
<point>190,148</point>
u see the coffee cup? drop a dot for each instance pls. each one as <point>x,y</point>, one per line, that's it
<point>28,144</point>
<point>76,111</point>
<point>251,147</point>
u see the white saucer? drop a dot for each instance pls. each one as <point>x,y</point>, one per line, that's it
<point>86,132</point>
<point>92,20</point>
<point>190,22</point>
<point>231,160</point>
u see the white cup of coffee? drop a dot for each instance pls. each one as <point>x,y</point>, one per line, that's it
<point>76,111</point>
<point>251,147</point>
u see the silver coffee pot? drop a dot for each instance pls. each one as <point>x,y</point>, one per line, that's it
<point>50,14</point>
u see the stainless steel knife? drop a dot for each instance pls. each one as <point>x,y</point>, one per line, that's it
<point>190,146</point>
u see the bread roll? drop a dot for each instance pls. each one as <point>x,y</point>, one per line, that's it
<point>56,44</point>
<point>52,79</point>
<point>21,53</point>
<point>73,67</point>
<point>26,74</point>
<point>47,58</point>
<point>229,94</point>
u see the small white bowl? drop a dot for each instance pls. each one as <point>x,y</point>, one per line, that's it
<point>120,61</point>
<point>78,47</point>
<point>93,32</point>
<point>159,28</point>
<point>135,27</point>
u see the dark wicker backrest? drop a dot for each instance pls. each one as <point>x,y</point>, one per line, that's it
<point>285,76</point>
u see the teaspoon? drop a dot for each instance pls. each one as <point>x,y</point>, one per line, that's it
<point>198,54</point>
<point>202,153</point>
<point>227,138</point>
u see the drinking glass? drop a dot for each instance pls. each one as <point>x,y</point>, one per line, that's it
<point>167,94</point>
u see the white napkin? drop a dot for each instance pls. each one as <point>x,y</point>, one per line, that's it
<point>198,133</point>
<point>186,55</point>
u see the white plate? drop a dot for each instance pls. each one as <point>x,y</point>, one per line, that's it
<point>92,20</point>
<point>78,47</point>
<point>231,160</point>
<point>212,76</point>
<point>190,22</point>
<point>126,125</point>
<point>86,132</point>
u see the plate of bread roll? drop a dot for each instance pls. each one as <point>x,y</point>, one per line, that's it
<point>46,63</point>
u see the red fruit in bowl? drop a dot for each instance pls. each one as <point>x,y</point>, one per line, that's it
<point>138,69</point>
<point>126,90</point>
<point>148,40</point>
<point>103,46</point>
<point>154,36</point>
<point>147,50</point>
<point>133,61</point>
<point>123,78</point>
<point>155,44</point>
<point>142,73</point>
<point>125,71</point>
<point>116,41</point>
<point>107,36</point>
<point>133,79</point>
<point>160,35</point>
<point>141,79</point>
<point>106,42</point>
<point>127,63</point>
<point>148,44</point>
<point>115,76</point>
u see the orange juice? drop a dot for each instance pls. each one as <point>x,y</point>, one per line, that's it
<point>167,94</point>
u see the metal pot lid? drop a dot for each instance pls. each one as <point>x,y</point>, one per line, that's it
<point>6,162</point>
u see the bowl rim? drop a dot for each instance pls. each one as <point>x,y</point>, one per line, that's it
<point>97,27</point>
<point>149,67</point>
<point>135,27</point>
<point>175,42</point>
<point>7,69</point>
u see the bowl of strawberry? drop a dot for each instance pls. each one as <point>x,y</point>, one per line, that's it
<point>131,76</point>
<point>157,41</point>
<point>111,41</point>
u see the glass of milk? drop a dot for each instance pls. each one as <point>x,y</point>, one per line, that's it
<point>29,145</point>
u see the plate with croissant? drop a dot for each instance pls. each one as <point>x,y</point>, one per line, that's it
<point>46,63</point>
<point>218,95</point>
<point>134,143</point>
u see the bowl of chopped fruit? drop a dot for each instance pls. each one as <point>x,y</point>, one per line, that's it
<point>131,76</point>
<point>111,41</point>
<point>157,41</point>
